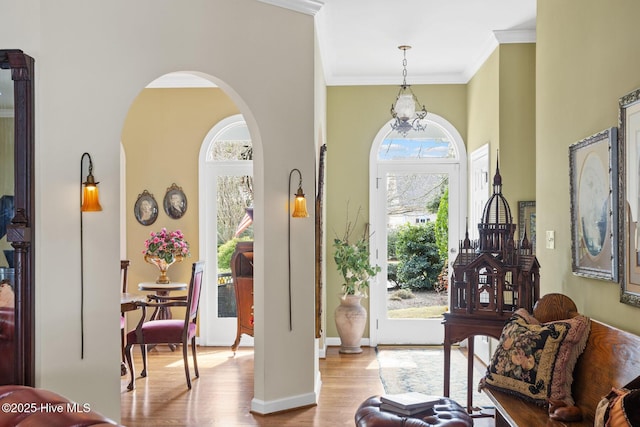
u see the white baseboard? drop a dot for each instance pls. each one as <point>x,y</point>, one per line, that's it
<point>322,351</point>
<point>262,407</point>
<point>318,384</point>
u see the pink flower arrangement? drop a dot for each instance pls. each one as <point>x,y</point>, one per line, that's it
<point>166,245</point>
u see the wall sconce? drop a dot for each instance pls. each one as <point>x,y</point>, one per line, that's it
<point>299,211</point>
<point>300,203</point>
<point>89,202</point>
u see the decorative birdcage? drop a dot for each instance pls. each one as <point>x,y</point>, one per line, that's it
<point>494,276</point>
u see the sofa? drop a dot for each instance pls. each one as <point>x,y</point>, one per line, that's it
<point>609,365</point>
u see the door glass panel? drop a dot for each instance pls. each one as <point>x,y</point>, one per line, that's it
<point>428,144</point>
<point>234,217</point>
<point>233,143</point>
<point>7,185</point>
<point>227,216</point>
<point>415,287</point>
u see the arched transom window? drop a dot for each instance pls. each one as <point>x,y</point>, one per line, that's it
<point>434,142</point>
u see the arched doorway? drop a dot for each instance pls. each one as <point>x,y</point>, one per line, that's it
<point>407,174</point>
<point>190,104</point>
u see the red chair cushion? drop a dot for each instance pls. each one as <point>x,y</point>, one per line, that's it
<point>162,332</point>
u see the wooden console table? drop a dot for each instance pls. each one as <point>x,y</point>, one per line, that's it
<point>458,328</point>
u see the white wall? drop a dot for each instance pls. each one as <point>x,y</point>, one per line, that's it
<point>92,59</point>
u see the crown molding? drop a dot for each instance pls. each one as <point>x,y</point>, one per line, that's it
<point>448,78</point>
<point>308,7</point>
<point>496,39</point>
<point>515,36</point>
<point>489,46</point>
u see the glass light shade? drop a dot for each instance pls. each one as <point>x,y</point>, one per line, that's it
<point>300,205</point>
<point>90,198</point>
<point>405,106</point>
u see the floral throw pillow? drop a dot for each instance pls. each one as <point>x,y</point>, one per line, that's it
<point>535,360</point>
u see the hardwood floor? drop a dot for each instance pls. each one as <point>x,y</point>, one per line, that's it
<point>222,395</point>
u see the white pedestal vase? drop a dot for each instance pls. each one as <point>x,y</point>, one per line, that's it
<point>351,319</point>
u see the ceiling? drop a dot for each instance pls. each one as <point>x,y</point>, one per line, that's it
<point>450,39</point>
<point>359,39</point>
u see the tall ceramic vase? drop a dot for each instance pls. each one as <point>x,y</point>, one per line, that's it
<point>351,318</point>
<point>162,265</point>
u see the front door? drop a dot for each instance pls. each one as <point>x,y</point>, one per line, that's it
<point>404,308</point>
<point>410,177</point>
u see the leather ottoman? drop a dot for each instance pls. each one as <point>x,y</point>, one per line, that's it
<point>446,414</point>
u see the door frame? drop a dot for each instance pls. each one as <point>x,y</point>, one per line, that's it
<point>479,173</point>
<point>401,331</point>
<point>214,330</point>
<point>375,302</point>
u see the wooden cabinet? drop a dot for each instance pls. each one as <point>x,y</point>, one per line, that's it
<point>242,273</point>
<point>17,320</point>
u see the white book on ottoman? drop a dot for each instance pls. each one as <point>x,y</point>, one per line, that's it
<point>410,400</point>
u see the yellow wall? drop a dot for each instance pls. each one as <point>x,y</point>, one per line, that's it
<point>162,137</point>
<point>355,114</point>
<point>586,60</point>
<point>517,123</point>
<point>502,114</point>
<point>484,107</point>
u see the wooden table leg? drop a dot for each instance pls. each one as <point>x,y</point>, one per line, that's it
<point>447,362</point>
<point>161,313</point>
<point>470,356</point>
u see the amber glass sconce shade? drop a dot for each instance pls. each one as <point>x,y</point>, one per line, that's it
<point>90,196</point>
<point>300,205</point>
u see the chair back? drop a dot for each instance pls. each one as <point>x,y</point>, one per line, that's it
<point>193,298</point>
<point>124,269</point>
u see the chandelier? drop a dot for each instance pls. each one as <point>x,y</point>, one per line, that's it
<point>406,110</point>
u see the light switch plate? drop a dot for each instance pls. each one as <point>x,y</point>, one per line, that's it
<point>551,239</point>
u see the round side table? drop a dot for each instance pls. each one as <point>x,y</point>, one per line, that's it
<point>162,290</point>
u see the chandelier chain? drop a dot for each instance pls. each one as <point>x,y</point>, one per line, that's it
<point>404,69</point>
